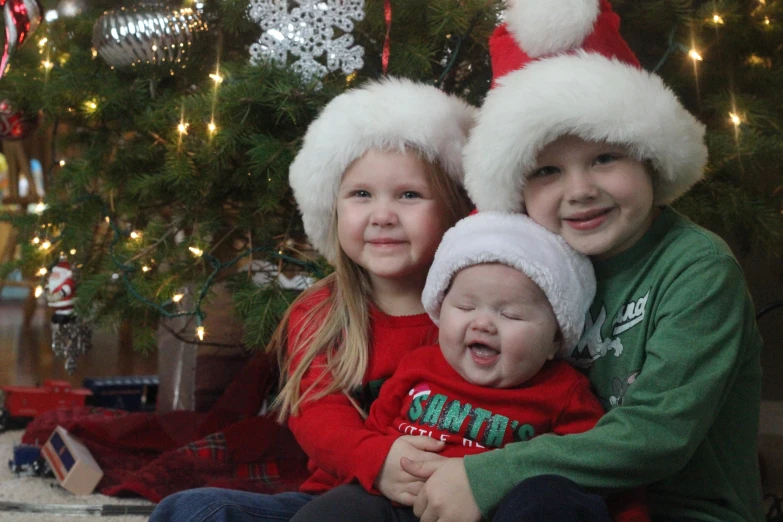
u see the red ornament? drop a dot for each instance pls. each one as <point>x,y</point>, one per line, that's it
<point>61,288</point>
<point>15,125</point>
<point>21,19</point>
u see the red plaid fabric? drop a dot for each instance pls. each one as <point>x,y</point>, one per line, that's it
<point>155,455</point>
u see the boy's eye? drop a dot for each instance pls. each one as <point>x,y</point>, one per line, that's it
<point>602,159</point>
<point>511,316</point>
<point>464,308</point>
<point>544,171</point>
<point>410,194</point>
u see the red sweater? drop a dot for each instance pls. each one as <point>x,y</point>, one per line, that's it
<point>426,396</point>
<point>330,430</point>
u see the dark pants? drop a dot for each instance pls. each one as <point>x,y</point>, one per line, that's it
<point>352,503</point>
<point>550,497</point>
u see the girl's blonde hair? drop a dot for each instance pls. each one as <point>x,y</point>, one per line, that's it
<point>343,334</point>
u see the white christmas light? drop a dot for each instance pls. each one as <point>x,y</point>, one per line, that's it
<point>200,333</point>
<point>196,251</point>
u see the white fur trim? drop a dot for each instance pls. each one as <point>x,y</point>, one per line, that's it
<point>586,95</point>
<point>389,115</point>
<point>565,276</point>
<point>544,27</point>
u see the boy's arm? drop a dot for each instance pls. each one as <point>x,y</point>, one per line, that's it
<point>581,412</point>
<point>692,362</point>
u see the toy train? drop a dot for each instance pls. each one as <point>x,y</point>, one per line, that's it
<point>28,459</point>
<point>19,404</point>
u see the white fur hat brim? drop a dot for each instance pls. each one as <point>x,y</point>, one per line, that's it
<point>586,95</point>
<point>546,28</point>
<point>565,276</point>
<point>390,115</point>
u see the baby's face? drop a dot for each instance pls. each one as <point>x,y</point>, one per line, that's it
<point>497,328</point>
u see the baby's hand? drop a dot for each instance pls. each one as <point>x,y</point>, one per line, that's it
<point>394,483</point>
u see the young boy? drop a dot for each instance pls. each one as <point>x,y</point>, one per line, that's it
<point>509,296</point>
<point>595,149</point>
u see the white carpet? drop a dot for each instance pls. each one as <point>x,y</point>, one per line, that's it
<point>36,490</point>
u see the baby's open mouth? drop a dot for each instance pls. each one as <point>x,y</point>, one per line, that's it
<point>482,351</point>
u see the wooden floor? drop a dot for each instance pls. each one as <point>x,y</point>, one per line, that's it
<point>26,357</point>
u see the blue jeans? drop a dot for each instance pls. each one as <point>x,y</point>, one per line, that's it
<point>224,505</point>
<point>551,497</point>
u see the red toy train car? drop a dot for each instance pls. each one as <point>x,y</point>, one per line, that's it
<point>19,404</point>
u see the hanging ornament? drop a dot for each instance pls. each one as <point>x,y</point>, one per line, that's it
<point>71,336</point>
<point>147,35</point>
<point>21,20</point>
<point>307,32</point>
<point>15,125</point>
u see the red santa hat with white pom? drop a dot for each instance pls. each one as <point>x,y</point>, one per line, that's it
<point>560,67</point>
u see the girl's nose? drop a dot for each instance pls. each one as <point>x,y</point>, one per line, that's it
<point>383,214</point>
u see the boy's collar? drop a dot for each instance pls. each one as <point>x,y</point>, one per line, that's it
<point>639,250</point>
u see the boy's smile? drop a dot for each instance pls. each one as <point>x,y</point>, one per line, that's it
<point>596,195</point>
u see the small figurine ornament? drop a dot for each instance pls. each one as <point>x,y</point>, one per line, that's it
<point>71,336</point>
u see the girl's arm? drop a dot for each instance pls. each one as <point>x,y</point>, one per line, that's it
<point>332,432</point>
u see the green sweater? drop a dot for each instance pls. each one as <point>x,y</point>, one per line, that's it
<point>673,352</point>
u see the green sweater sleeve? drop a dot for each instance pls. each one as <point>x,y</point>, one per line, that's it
<point>693,355</point>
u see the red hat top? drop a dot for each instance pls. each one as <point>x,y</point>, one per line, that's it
<point>535,29</point>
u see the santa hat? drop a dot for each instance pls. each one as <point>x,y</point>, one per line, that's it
<point>565,276</point>
<point>561,67</point>
<point>389,115</point>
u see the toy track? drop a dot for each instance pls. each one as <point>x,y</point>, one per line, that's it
<point>103,510</point>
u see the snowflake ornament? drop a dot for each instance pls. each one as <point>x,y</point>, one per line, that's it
<point>307,32</point>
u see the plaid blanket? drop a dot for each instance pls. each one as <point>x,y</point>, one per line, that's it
<point>154,455</point>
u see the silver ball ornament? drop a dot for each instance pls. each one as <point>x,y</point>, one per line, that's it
<point>146,35</point>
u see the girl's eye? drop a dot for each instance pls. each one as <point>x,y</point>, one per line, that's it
<point>603,159</point>
<point>360,194</point>
<point>510,316</point>
<point>464,308</point>
<point>410,194</point>
<point>544,171</point>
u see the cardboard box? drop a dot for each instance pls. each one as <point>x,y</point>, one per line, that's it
<point>72,463</point>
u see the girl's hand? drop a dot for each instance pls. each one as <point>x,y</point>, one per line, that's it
<point>446,496</point>
<point>394,483</point>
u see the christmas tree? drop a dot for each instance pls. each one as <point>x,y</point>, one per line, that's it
<point>172,128</point>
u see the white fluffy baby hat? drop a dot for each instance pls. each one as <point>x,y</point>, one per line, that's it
<point>565,276</point>
<point>561,67</point>
<point>390,115</point>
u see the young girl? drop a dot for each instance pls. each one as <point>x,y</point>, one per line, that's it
<point>378,182</point>
<point>595,149</point>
